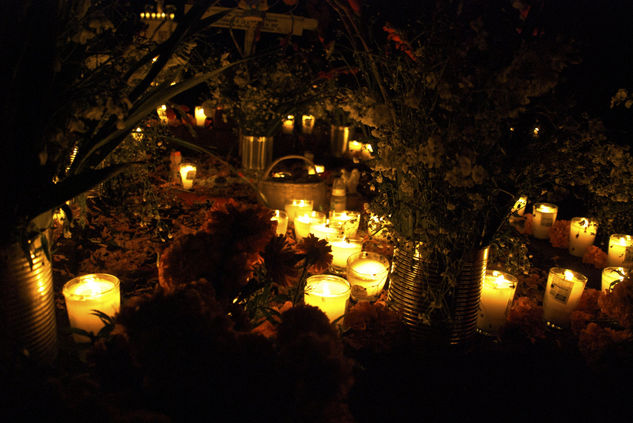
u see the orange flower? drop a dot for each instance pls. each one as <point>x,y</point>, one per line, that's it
<point>280,260</point>
<point>594,255</point>
<point>317,253</point>
<point>559,234</point>
<point>618,304</point>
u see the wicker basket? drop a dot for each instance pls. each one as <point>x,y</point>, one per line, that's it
<point>278,194</point>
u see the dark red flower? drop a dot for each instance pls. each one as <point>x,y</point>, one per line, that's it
<point>280,260</point>
<point>317,252</point>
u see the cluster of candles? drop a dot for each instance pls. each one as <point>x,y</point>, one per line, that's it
<point>582,233</point>
<point>365,150</point>
<point>158,15</point>
<point>307,124</point>
<point>355,274</point>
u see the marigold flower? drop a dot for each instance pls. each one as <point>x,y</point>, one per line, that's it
<point>280,259</point>
<point>317,252</point>
<point>594,255</point>
<point>618,304</point>
<point>559,234</point>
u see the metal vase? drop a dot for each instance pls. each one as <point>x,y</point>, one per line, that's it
<point>414,287</point>
<point>27,306</point>
<point>339,139</point>
<point>256,152</point>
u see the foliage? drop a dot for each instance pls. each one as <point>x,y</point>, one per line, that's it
<point>82,77</point>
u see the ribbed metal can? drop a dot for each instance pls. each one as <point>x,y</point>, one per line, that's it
<point>27,305</point>
<point>339,139</point>
<point>415,285</point>
<point>256,152</point>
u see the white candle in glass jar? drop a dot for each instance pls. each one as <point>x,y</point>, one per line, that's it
<point>296,207</point>
<point>582,233</point>
<point>544,218</point>
<point>324,231</point>
<point>288,125</point>
<point>84,294</point>
<point>303,223</point>
<point>367,273</point>
<point>611,275</point>
<point>342,249</point>
<point>346,221</point>
<point>200,116</point>
<point>187,175</point>
<point>562,294</point>
<point>281,217</point>
<point>354,146</point>
<point>329,293</point>
<point>497,293</point>
<point>620,250</point>
<point>307,124</point>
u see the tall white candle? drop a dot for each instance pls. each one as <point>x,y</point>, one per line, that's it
<point>281,217</point>
<point>367,273</point>
<point>87,293</point>
<point>544,218</point>
<point>307,124</point>
<point>562,294</point>
<point>497,293</point>
<point>298,207</point>
<point>342,249</point>
<point>187,175</point>
<point>303,223</point>
<point>329,293</point>
<point>620,250</point>
<point>611,275</point>
<point>200,116</point>
<point>288,125</point>
<point>582,233</point>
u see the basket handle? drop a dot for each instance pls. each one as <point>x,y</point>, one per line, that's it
<point>276,162</point>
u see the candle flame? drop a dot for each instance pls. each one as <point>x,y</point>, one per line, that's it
<point>569,275</point>
<point>545,209</point>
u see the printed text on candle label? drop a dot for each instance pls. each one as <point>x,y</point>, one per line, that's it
<point>560,289</point>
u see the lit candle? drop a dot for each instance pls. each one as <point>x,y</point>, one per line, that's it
<point>354,146</point>
<point>324,231</point>
<point>303,223</point>
<point>347,222</point>
<point>611,275</point>
<point>200,116</point>
<point>496,297</point>
<point>341,250</point>
<point>137,134</point>
<point>582,233</point>
<point>544,218</point>
<point>288,125</point>
<point>87,293</point>
<point>367,273</point>
<point>519,206</point>
<point>329,293</point>
<point>307,124</point>
<point>316,170</point>
<point>298,207</point>
<point>281,217</point>
<point>162,114</point>
<point>620,250</point>
<point>187,174</point>
<point>562,294</point>
<point>366,152</point>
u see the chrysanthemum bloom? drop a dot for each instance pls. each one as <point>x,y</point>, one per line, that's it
<point>618,304</point>
<point>280,260</point>
<point>373,327</point>
<point>242,227</point>
<point>594,255</point>
<point>559,234</point>
<point>594,341</point>
<point>317,252</point>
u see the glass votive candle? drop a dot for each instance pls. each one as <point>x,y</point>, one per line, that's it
<point>329,293</point>
<point>87,293</point>
<point>288,125</point>
<point>324,231</point>
<point>367,273</point>
<point>187,175</point>
<point>281,217</point>
<point>544,218</point>
<point>307,124</point>
<point>342,249</point>
<point>200,116</point>
<point>620,250</point>
<point>611,276</point>
<point>519,207</point>
<point>582,233</point>
<point>562,294</point>
<point>346,221</point>
<point>497,293</point>
<point>298,207</point>
<point>354,146</point>
<point>303,223</point>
